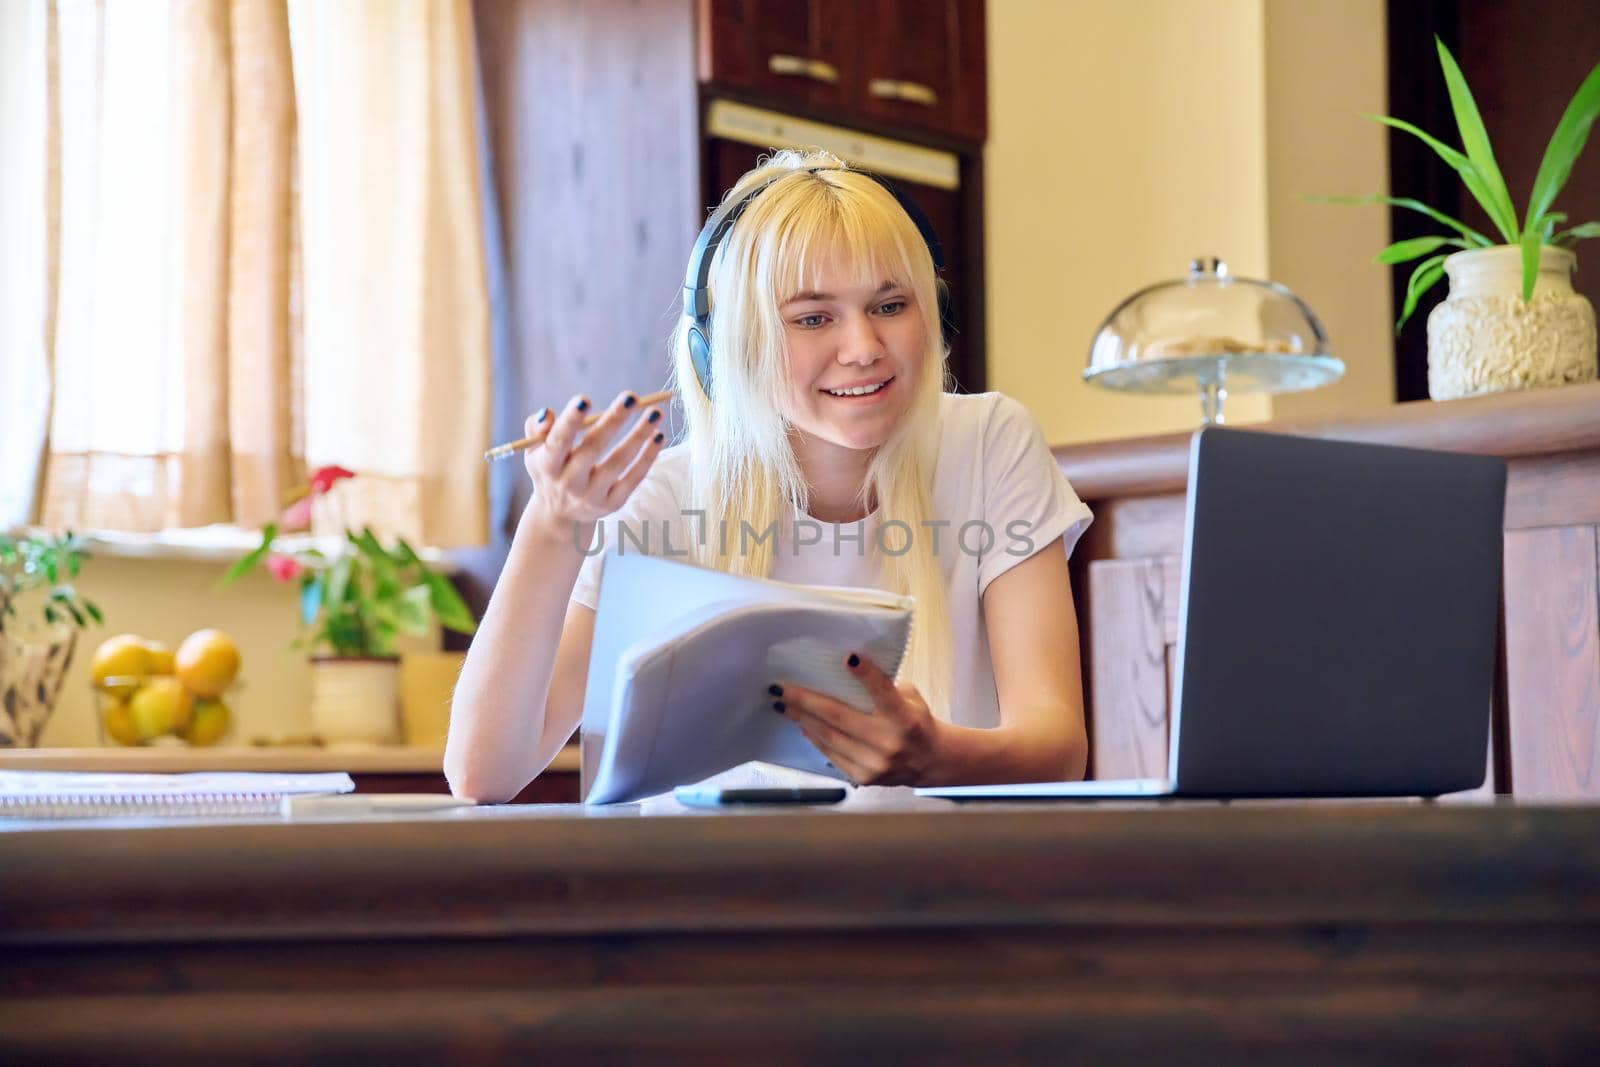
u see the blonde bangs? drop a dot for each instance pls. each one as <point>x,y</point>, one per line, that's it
<point>818,226</point>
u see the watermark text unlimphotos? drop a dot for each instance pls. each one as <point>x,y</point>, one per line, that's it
<point>893,537</point>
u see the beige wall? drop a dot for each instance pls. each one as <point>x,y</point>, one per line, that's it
<point>1127,138</point>
<point>1325,71</point>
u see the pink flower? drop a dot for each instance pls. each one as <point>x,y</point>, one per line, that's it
<point>297,516</point>
<point>284,568</point>
<point>325,478</point>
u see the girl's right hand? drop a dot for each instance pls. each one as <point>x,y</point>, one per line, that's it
<point>574,481</point>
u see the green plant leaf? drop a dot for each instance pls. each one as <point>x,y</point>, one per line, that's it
<point>1428,272</point>
<point>310,599</point>
<point>1404,251</point>
<point>1474,180</point>
<point>404,554</point>
<point>1547,225</point>
<point>412,610</point>
<point>1577,233</point>
<point>77,616</point>
<point>368,543</point>
<point>50,613</point>
<point>1566,144</point>
<point>1530,261</point>
<point>94,611</point>
<point>447,604</point>
<point>1473,236</point>
<point>251,559</point>
<point>1475,139</point>
<point>339,580</point>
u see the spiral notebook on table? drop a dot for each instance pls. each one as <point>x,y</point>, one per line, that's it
<point>87,795</point>
<point>681,660</point>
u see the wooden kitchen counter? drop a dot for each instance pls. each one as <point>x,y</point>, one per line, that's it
<point>1127,568</point>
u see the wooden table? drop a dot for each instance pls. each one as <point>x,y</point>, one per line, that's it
<point>1181,932</point>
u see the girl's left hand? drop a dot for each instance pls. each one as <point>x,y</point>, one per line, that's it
<point>899,743</point>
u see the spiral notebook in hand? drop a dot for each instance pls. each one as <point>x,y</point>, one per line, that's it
<point>81,795</point>
<point>681,660</point>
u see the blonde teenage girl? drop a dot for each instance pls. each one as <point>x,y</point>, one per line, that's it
<point>820,448</point>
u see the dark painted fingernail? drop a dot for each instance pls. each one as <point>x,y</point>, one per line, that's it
<point>654,415</point>
<point>544,413</point>
<point>583,405</point>
<point>775,690</point>
<point>630,401</point>
<point>777,706</point>
<point>659,438</point>
<point>854,660</point>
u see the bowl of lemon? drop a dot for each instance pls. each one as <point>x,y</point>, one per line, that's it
<point>147,694</point>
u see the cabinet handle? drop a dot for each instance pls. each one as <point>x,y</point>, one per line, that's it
<point>815,69</point>
<point>910,92</point>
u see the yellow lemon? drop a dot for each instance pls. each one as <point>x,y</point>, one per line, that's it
<point>161,706</point>
<point>211,720</point>
<point>119,723</point>
<point>122,657</point>
<point>161,659</point>
<point>207,661</point>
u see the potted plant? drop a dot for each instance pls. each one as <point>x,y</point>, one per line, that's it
<point>37,639</point>
<point>1512,319</point>
<point>356,598</point>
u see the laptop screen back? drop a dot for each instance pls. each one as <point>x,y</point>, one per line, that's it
<point>1337,634</point>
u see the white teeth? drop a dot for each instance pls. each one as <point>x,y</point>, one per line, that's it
<point>862,391</point>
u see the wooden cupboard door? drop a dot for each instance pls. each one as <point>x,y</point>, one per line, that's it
<point>923,65</point>
<point>1552,598</point>
<point>794,51</point>
<point>1133,635</point>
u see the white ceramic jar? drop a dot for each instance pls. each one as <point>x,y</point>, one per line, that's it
<point>355,702</point>
<point>1485,339</point>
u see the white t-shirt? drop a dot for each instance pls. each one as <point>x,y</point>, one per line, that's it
<point>995,485</point>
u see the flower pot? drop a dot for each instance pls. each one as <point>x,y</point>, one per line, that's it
<point>31,673</point>
<point>355,702</point>
<point>1484,338</point>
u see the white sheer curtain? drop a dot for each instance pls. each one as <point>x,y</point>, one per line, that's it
<point>396,293</point>
<point>151,242</point>
<point>26,267</point>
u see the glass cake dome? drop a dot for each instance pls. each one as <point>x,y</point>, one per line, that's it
<point>1209,333</point>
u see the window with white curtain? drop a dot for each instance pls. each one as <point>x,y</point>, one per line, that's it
<point>243,239</point>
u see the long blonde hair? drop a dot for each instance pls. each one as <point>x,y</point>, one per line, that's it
<point>742,465</point>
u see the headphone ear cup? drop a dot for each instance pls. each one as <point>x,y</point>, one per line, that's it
<point>700,356</point>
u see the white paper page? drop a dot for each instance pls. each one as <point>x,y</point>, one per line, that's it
<point>35,785</point>
<point>699,705</point>
<point>649,598</point>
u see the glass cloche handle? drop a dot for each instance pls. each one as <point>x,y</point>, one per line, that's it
<point>1207,265</point>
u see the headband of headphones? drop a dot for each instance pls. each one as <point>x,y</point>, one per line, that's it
<point>696,282</point>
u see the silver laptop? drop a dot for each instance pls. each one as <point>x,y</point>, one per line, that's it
<point>1337,635</point>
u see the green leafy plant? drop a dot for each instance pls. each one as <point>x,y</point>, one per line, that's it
<point>356,600</point>
<point>40,561</point>
<point>1480,173</point>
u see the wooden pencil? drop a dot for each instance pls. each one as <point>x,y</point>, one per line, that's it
<point>511,448</point>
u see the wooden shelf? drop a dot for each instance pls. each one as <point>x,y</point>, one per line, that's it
<point>395,759</point>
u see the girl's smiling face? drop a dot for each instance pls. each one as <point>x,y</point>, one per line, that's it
<point>856,352</point>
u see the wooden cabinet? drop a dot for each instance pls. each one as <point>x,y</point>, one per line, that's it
<point>897,64</point>
<point>1546,707</point>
